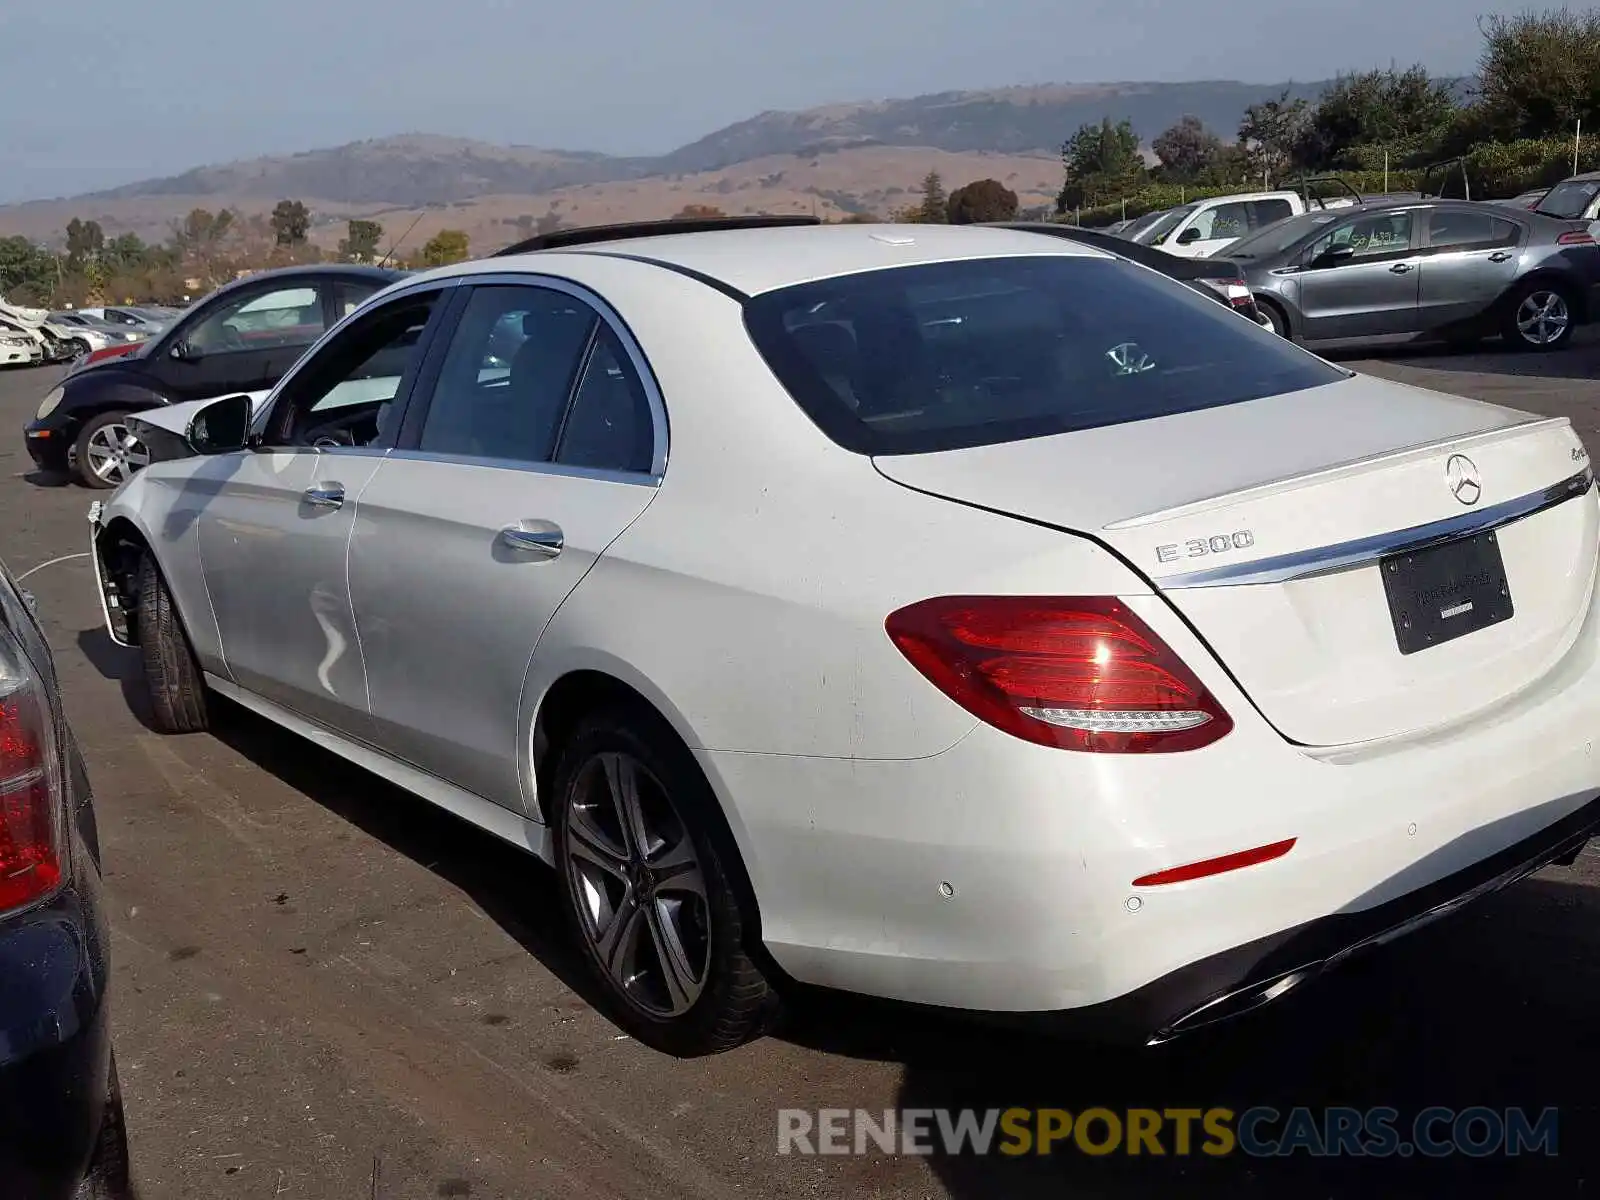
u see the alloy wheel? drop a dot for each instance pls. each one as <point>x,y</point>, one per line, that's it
<point>114,454</point>
<point>638,886</point>
<point>1543,318</point>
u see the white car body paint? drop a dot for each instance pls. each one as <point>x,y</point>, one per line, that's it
<point>746,601</point>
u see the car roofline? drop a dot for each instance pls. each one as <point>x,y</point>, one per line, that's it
<point>561,239</point>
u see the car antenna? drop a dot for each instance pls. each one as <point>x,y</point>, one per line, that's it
<point>395,245</point>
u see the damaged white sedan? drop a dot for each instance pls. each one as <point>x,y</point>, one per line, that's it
<point>955,615</point>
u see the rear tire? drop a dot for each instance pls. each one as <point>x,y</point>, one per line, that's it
<point>1539,317</point>
<point>645,890</point>
<point>1280,323</point>
<point>177,688</point>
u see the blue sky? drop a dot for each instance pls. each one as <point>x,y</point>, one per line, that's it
<point>101,92</point>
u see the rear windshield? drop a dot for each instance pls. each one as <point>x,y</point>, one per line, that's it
<point>909,360</point>
<point>1569,200</point>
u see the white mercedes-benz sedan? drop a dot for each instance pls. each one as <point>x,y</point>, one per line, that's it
<point>955,615</point>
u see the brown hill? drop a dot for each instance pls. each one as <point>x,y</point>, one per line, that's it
<point>838,158</point>
<point>874,179</point>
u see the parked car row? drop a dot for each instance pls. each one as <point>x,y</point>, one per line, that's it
<point>1233,716</point>
<point>1401,268</point>
<point>241,338</point>
<point>34,337</point>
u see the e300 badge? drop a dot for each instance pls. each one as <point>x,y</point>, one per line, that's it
<point>1220,543</point>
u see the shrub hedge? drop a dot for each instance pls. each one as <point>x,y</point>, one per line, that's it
<point>1495,170</point>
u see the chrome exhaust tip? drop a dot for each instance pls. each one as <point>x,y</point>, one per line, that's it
<point>1234,1004</point>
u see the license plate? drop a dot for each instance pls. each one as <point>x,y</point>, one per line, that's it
<point>1446,591</point>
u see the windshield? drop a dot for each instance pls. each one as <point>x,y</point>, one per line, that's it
<point>1569,200</point>
<point>1278,237</point>
<point>911,360</point>
<point>1156,232</point>
<point>1134,228</point>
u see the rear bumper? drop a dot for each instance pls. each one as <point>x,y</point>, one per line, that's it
<point>998,876</point>
<point>1589,305</point>
<point>1239,980</point>
<point>55,1043</point>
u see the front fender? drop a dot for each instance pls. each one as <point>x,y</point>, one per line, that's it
<point>137,520</point>
<point>90,393</point>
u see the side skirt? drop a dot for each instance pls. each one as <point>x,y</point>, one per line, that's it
<point>475,810</point>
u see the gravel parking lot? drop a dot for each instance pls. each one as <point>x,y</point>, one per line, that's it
<point>326,988</point>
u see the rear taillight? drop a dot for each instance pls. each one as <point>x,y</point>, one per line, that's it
<point>1576,237</point>
<point>31,812</point>
<point>1075,673</point>
<point>1235,291</point>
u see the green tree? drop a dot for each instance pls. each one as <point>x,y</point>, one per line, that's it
<point>199,242</point>
<point>934,208</point>
<point>202,231</point>
<point>26,271</point>
<point>982,200</point>
<point>445,247</point>
<point>1186,149</point>
<point>1404,112</point>
<point>291,222</point>
<point>1539,73</point>
<point>85,240</point>
<point>360,243</point>
<point>127,253</point>
<point>1270,132</point>
<point>1101,162</point>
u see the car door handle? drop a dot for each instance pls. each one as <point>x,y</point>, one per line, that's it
<point>327,495</point>
<point>541,538</point>
<point>1400,268</point>
<point>1500,256</point>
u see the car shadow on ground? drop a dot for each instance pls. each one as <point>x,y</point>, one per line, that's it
<point>510,886</point>
<point>122,664</point>
<point>497,876</point>
<point>1494,1007</point>
<point>47,479</point>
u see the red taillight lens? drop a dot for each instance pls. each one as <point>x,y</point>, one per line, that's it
<point>1577,237</point>
<point>30,791</point>
<point>1236,291</point>
<point>1075,673</point>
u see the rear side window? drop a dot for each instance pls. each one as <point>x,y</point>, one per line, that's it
<point>1265,212</point>
<point>911,360</point>
<point>1456,229</point>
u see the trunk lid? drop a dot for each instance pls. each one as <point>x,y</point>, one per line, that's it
<point>1264,524</point>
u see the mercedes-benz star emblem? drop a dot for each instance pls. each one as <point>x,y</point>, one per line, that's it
<point>1461,477</point>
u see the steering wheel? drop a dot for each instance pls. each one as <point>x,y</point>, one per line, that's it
<point>337,432</point>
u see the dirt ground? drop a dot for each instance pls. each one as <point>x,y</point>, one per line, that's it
<point>325,988</point>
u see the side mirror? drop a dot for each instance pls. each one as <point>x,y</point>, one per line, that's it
<point>1191,234</point>
<point>221,426</point>
<point>184,352</point>
<point>1334,255</point>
